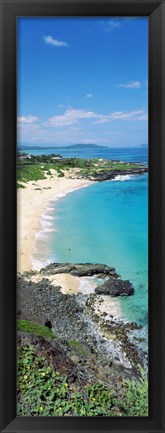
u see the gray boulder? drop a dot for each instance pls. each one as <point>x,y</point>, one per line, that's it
<point>79,269</point>
<point>115,287</point>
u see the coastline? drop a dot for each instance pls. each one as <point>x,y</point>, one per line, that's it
<point>34,203</point>
<point>34,198</point>
<point>90,328</point>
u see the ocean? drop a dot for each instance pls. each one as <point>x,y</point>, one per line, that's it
<point>106,223</point>
<point>134,154</point>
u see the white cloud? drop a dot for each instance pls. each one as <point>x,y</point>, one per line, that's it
<point>27,119</point>
<point>74,118</point>
<point>89,95</point>
<point>135,115</point>
<point>71,116</point>
<point>77,126</point>
<point>54,42</point>
<point>110,25</point>
<point>129,115</point>
<point>131,85</point>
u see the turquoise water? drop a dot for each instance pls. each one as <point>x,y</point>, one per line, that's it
<point>107,223</point>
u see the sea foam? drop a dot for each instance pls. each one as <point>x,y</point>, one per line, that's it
<point>122,178</point>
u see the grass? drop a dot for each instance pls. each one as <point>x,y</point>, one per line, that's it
<point>36,167</point>
<point>30,172</point>
<point>34,328</point>
<point>126,166</point>
<point>20,185</point>
<point>79,347</point>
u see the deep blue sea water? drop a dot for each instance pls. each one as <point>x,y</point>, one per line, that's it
<point>138,154</point>
<point>107,223</point>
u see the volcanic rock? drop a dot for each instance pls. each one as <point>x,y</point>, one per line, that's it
<point>79,269</point>
<point>115,287</point>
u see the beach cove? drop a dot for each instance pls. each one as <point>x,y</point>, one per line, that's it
<point>31,204</point>
<point>39,229</point>
<point>67,294</point>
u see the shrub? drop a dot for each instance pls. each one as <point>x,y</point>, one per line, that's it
<point>135,399</point>
<point>41,390</point>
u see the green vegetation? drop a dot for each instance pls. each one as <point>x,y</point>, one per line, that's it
<point>79,347</point>
<point>135,402</point>
<point>19,185</point>
<point>34,328</point>
<point>41,390</point>
<point>25,173</point>
<point>38,167</point>
<point>60,174</point>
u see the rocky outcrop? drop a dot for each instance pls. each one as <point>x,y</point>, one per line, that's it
<point>79,269</point>
<point>76,330</point>
<point>115,287</point>
<point>109,175</point>
<point>92,340</point>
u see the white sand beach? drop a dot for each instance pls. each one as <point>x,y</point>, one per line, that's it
<point>31,203</point>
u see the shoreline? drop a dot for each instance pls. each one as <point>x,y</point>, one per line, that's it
<point>47,225</point>
<point>110,333</point>
<point>39,194</point>
<point>29,222</point>
<point>79,317</point>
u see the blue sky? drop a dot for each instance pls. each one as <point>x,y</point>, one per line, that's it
<point>82,80</point>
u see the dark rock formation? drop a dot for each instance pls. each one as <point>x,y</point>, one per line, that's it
<point>109,175</point>
<point>80,331</point>
<point>48,324</point>
<point>115,287</point>
<point>79,269</point>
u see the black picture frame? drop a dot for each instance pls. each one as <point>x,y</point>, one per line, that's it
<point>155,10</point>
